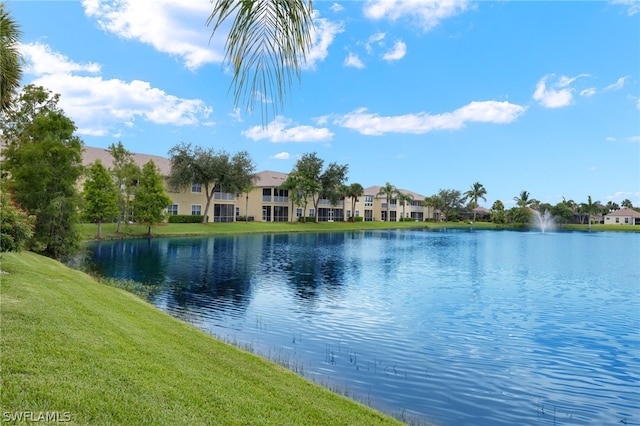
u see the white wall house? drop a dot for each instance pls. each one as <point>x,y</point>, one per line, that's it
<point>622,217</point>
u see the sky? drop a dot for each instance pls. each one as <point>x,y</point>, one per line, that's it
<point>537,96</point>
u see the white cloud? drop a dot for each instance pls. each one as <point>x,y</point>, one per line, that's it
<point>322,36</point>
<point>589,91</point>
<point>397,52</point>
<point>558,95</point>
<point>479,111</point>
<point>352,60</point>
<point>427,14</point>
<point>336,8</point>
<point>632,139</point>
<point>169,26</point>
<point>236,115</point>
<point>619,84</point>
<point>50,62</point>
<point>99,106</point>
<point>277,132</point>
<point>376,38</point>
<point>633,6</point>
<point>282,156</point>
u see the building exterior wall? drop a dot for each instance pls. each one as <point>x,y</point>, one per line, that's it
<point>266,201</point>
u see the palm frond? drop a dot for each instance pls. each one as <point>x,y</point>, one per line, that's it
<point>266,46</point>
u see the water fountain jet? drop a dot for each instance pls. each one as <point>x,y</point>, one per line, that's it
<point>543,221</point>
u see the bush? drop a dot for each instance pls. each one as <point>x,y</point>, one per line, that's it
<point>306,219</point>
<point>186,218</point>
<point>16,225</point>
<point>244,218</point>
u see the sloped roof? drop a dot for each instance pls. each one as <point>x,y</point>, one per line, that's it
<point>91,154</point>
<point>624,212</point>
<point>268,178</point>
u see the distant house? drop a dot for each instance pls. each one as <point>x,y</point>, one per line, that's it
<point>622,217</point>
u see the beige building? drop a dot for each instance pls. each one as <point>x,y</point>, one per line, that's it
<point>622,217</point>
<point>268,202</point>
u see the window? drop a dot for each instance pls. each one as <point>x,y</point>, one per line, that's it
<point>312,212</point>
<point>348,213</point>
<point>172,210</point>
<point>357,213</point>
<point>197,188</point>
<point>196,210</point>
<point>626,220</point>
<point>298,212</point>
<point>368,201</point>
<point>617,220</point>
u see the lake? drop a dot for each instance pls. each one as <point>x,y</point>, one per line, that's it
<point>448,327</point>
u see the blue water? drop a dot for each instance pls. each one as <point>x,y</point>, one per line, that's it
<point>451,328</point>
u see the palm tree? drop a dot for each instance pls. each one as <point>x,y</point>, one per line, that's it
<point>10,58</point>
<point>388,191</point>
<point>477,191</point>
<point>266,45</point>
<point>292,185</point>
<point>626,203</point>
<point>590,208</point>
<point>523,199</point>
<point>404,199</point>
<point>354,191</point>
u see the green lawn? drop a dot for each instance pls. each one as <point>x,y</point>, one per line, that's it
<point>74,348</point>
<point>90,231</point>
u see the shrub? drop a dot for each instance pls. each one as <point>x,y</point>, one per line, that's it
<point>186,218</point>
<point>16,225</point>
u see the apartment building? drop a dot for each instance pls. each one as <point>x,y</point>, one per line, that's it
<point>267,201</point>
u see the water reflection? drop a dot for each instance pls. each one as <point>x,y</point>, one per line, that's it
<point>460,327</point>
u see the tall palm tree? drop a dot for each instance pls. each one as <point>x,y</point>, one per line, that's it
<point>389,191</point>
<point>523,199</point>
<point>266,45</point>
<point>354,191</point>
<point>403,198</point>
<point>10,58</point>
<point>292,185</point>
<point>590,208</point>
<point>477,191</point>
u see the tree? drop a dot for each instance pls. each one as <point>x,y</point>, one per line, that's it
<point>477,191</point>
<point>267,43</point>
<point>151,199</point>
<point>388,191</point>
<point>291,184</point>
<point>497,212</point>
<point>590,208</point>
<point>403,198</point>
<point>211,170</point>
<point>626,203</point>
<point>451,203</point>
<point>436,203</point>
<point>10,58</point>
<point>611,206</point>
<point>314,183</point>
<point>100,196</point>
<point>562,212</point>
<point>354,191</point>
<point>126,174</point>
<point>43,159</point>
<point>16,224</point>
<point>523,199</point>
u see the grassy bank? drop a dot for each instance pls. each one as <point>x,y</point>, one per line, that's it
<point>80,350</point>
<point>89,231</point>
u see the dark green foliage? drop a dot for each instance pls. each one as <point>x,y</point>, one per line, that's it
<point>151,199</point>
<point>100,196</point>
<point>186,218</point>
<point>16,224</point>
<point>44,161</point>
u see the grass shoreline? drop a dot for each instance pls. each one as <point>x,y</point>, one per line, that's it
<point>93,354</point>
<point>89,231</point>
